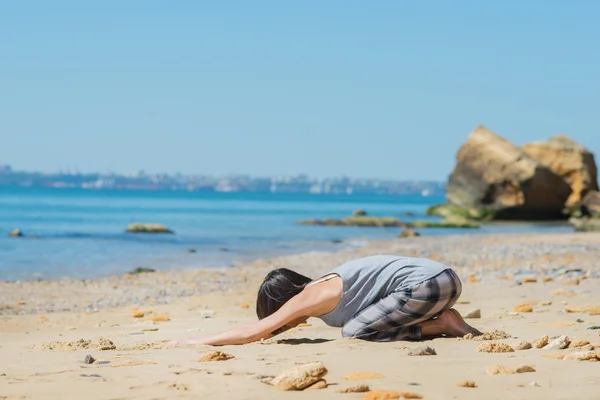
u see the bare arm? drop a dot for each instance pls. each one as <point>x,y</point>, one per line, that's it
<point>303,305</point>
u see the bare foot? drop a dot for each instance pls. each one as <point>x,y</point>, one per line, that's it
<point>454,324</point>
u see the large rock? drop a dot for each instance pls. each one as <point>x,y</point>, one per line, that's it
<point>590,204</point>
<point>570,160</point>
<point>148,228</point>
<point>493,174</point>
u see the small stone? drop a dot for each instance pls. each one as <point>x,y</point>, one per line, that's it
<point>535,384</point>
<point>245,306</point>
<point>355,389</point>
<point>579,321</point>
<point>594,327</point>
<point>320,384</point>
<point>559,343</point>
<point>138,314</point>
<point>529,279</point>
<point>491,347</point>
<point>300,377</point>
<point>546,303</point>
<point>158,318</point>
<point>499,369</point>
<point>473,280</point>
<point>149,329</point>
<point>524,346</point>
<point>363,376</point>
<point>524,369</point>
<point>540,342</point>
<point>89,359</point>
<point>216,356</point>
<point>473,314</point>
<point>588,347</point>
<point>582,356</point>
<point>15,233</point>
<point>523,308</point>
<point>578,343</point>
<point>572,282</point>
<point>467,384</point>
<point>390,395</point>
<point>548,279</point>
<point>422,351</point>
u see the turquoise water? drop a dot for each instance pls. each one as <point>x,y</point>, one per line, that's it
<point>81,232</point>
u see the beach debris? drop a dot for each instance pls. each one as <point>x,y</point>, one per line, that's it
<point>355,389</point>
<point>138,314</point>
<point>467,384</point>
<point>147,228</point>
<point>578,343</point>
<point>300,377</point>
<point>583,356</point>
<point>522,369</point>
<point>90,376</point>
<point>158,318</point>
<point>594,327</point>
<point>540,342</point>
<point>529,279</point>
<point>422,351</point>
<point>81,344</point>
<point>245,306</point>
<point>15,233</point>
<point>390,395</point>
<point>494,347</point>
<point>408,233</point>
<point>320,384</point>
<point>473,279</point>
<point>149,329</point>
<point>216,356</point>
<point>499,369</point>
<point>534,384</point>
<point>89,359</point>
<point>473,314</point>
<point>523,308</point>
<point>561,342</point>
<point>548,279</point>
<point>523,346</point>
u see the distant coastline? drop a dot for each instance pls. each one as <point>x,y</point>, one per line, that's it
<point>206,183</point>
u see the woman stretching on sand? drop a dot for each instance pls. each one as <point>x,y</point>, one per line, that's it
<point>378,298</point>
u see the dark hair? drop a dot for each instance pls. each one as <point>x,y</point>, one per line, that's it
<point>279,286</point>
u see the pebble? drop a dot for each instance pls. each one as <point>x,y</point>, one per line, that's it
<point>499,369</point>
<point>540,342</point>
<point>89,359</point>
<point>559,343</point>
<point>422,351</point>
<point>363,376</point>
<point>523,308</point>
<point>491,347</point>
<point>594,327</point>
<point>467,384</point>
<point>578,343</point>
<point>300,377</point>
<point>582,356</point>
<point>523,346</point>
<point>216,356</point>
<point>355,389</point>
<point>524,369</point>
<point>149,329</point>
<point>320,384</point>
<point>535,384</point>
<point>90,376</point>
<point>473,314</point>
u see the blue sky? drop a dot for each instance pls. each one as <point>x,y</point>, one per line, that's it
<point>386,89</point>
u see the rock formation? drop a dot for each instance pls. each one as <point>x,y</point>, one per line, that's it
<point>570,160</point>
<point>494,175</point>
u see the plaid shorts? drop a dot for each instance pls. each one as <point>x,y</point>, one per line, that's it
<point>398,315</point>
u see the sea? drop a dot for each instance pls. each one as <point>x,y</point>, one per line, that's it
<point>80,233</point>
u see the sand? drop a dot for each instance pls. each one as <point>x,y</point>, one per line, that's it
<point>47,329</point>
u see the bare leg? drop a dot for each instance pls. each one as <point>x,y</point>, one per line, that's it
<point>449,323</point>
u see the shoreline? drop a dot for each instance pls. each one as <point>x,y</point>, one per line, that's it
<point>163,286</point>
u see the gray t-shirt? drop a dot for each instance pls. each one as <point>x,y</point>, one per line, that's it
<point>367,280</point>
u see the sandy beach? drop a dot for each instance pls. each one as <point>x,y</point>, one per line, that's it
<point>47,328</point>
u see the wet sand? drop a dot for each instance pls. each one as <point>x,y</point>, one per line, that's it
<point>561,271</point>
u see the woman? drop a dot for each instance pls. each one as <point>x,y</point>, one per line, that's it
<point>379,298</point>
